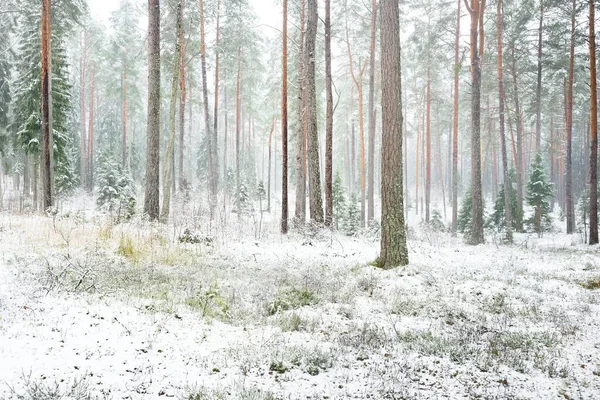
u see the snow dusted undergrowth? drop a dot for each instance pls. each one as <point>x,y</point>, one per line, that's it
<point>94,310</point>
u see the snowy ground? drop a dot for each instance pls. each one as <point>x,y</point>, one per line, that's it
<point>94,310</point>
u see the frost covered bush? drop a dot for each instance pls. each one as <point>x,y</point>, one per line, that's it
<point>117,192</point>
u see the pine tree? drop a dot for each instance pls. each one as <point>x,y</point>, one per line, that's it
<point>116,192</point>
<point>538,192</point>
<point>352,220</point>
<point>339,202</point>
<point>498,217</point>
<point>463,223</point>
<point>26,119</point>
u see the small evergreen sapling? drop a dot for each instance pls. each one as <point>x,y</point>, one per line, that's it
<point>539,190</point>
<point>339,202</point>
<point>117,193</point>
<point>352,221</point>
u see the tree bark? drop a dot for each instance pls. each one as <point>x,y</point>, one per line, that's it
<point>91,140</point>
<point>300,214</point>
<point>476,10</point>
<point>314,174</point>
<point>519,144</point>
<point>372,120</point>
<point>570,212</point>
<point>151,200</point>
<point>47,147</point>
<point>394,251</point>
<point>182,101</point>
<point>593,129</point>
<point>329,119</point>
<point>216,176</point>
<point>428,142</point>
<point>82,76</point>
<point>455,124</point>
<point>124,117</point>
<point>168,169</point>
<point>284,127</point>
<point>538,89</point>
<point>209,137</point>
<point>238,123</point>
<point>501,103</point>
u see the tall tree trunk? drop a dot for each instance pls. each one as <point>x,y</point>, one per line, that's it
<point>593,130</point>
<point>372,120</point>
<point>428,143</point>
<point>124,117</point>
<point>210,146</point>
<point>216,107</point>
<point>82,76</point>
<point>476,10</point>
<point>91,140</point>
<point>358,82</point>
<point>538,89</point>
<point>270,163</point>
<point>417,170</point>
<point>300,214</point>
<point>47,146</point>
<point>314,173</point>
<point>519,144</point>
<point>455,124</point>
<point>238,123</point>
<point>570,212</point>
<point>329,119</point>
<point>151,199</point>
<point>394,251</point>
<point>284,127</point>
<point>501,103</point>
<point>182,101</point>
<point>168,169</point>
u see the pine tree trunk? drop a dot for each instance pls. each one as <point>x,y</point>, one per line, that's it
<point>538,89</point>
<point>455,124</point>
<point>151,200</point>
<point>593,129</point>
<point>314,173</point>
<point>182,101</point>
<point>501,103</point>
<point>329,120</point>
<point>394,251</point>
<point>372,120</point>
<point>428,143</point>
<point>417,170</point>
<point>570,212</point>
<point>519,145</point>
<point>238,123</point>
<point>47,147</point>
<point>210,146</point>
<point>91,140</point>
<point>216,106</point>
<point>124,117</point>
<point>82,76</point>
<point>284,128</point>
<point>476,11</point>
<point>168,168</point>
<point>300,214</point>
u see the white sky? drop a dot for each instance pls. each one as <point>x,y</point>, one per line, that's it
<point>268,13</point>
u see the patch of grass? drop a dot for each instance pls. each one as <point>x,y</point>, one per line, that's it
<point>292,298</point>
<point>591,284</point>
<point>279,367</point>
<point>128,250</point>
<point>76,389</point>
<point>209,302</point>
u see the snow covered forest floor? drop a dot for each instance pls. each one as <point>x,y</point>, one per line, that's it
<point>90,309</point>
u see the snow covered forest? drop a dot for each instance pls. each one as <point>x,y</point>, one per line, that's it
<point>299,199</point>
